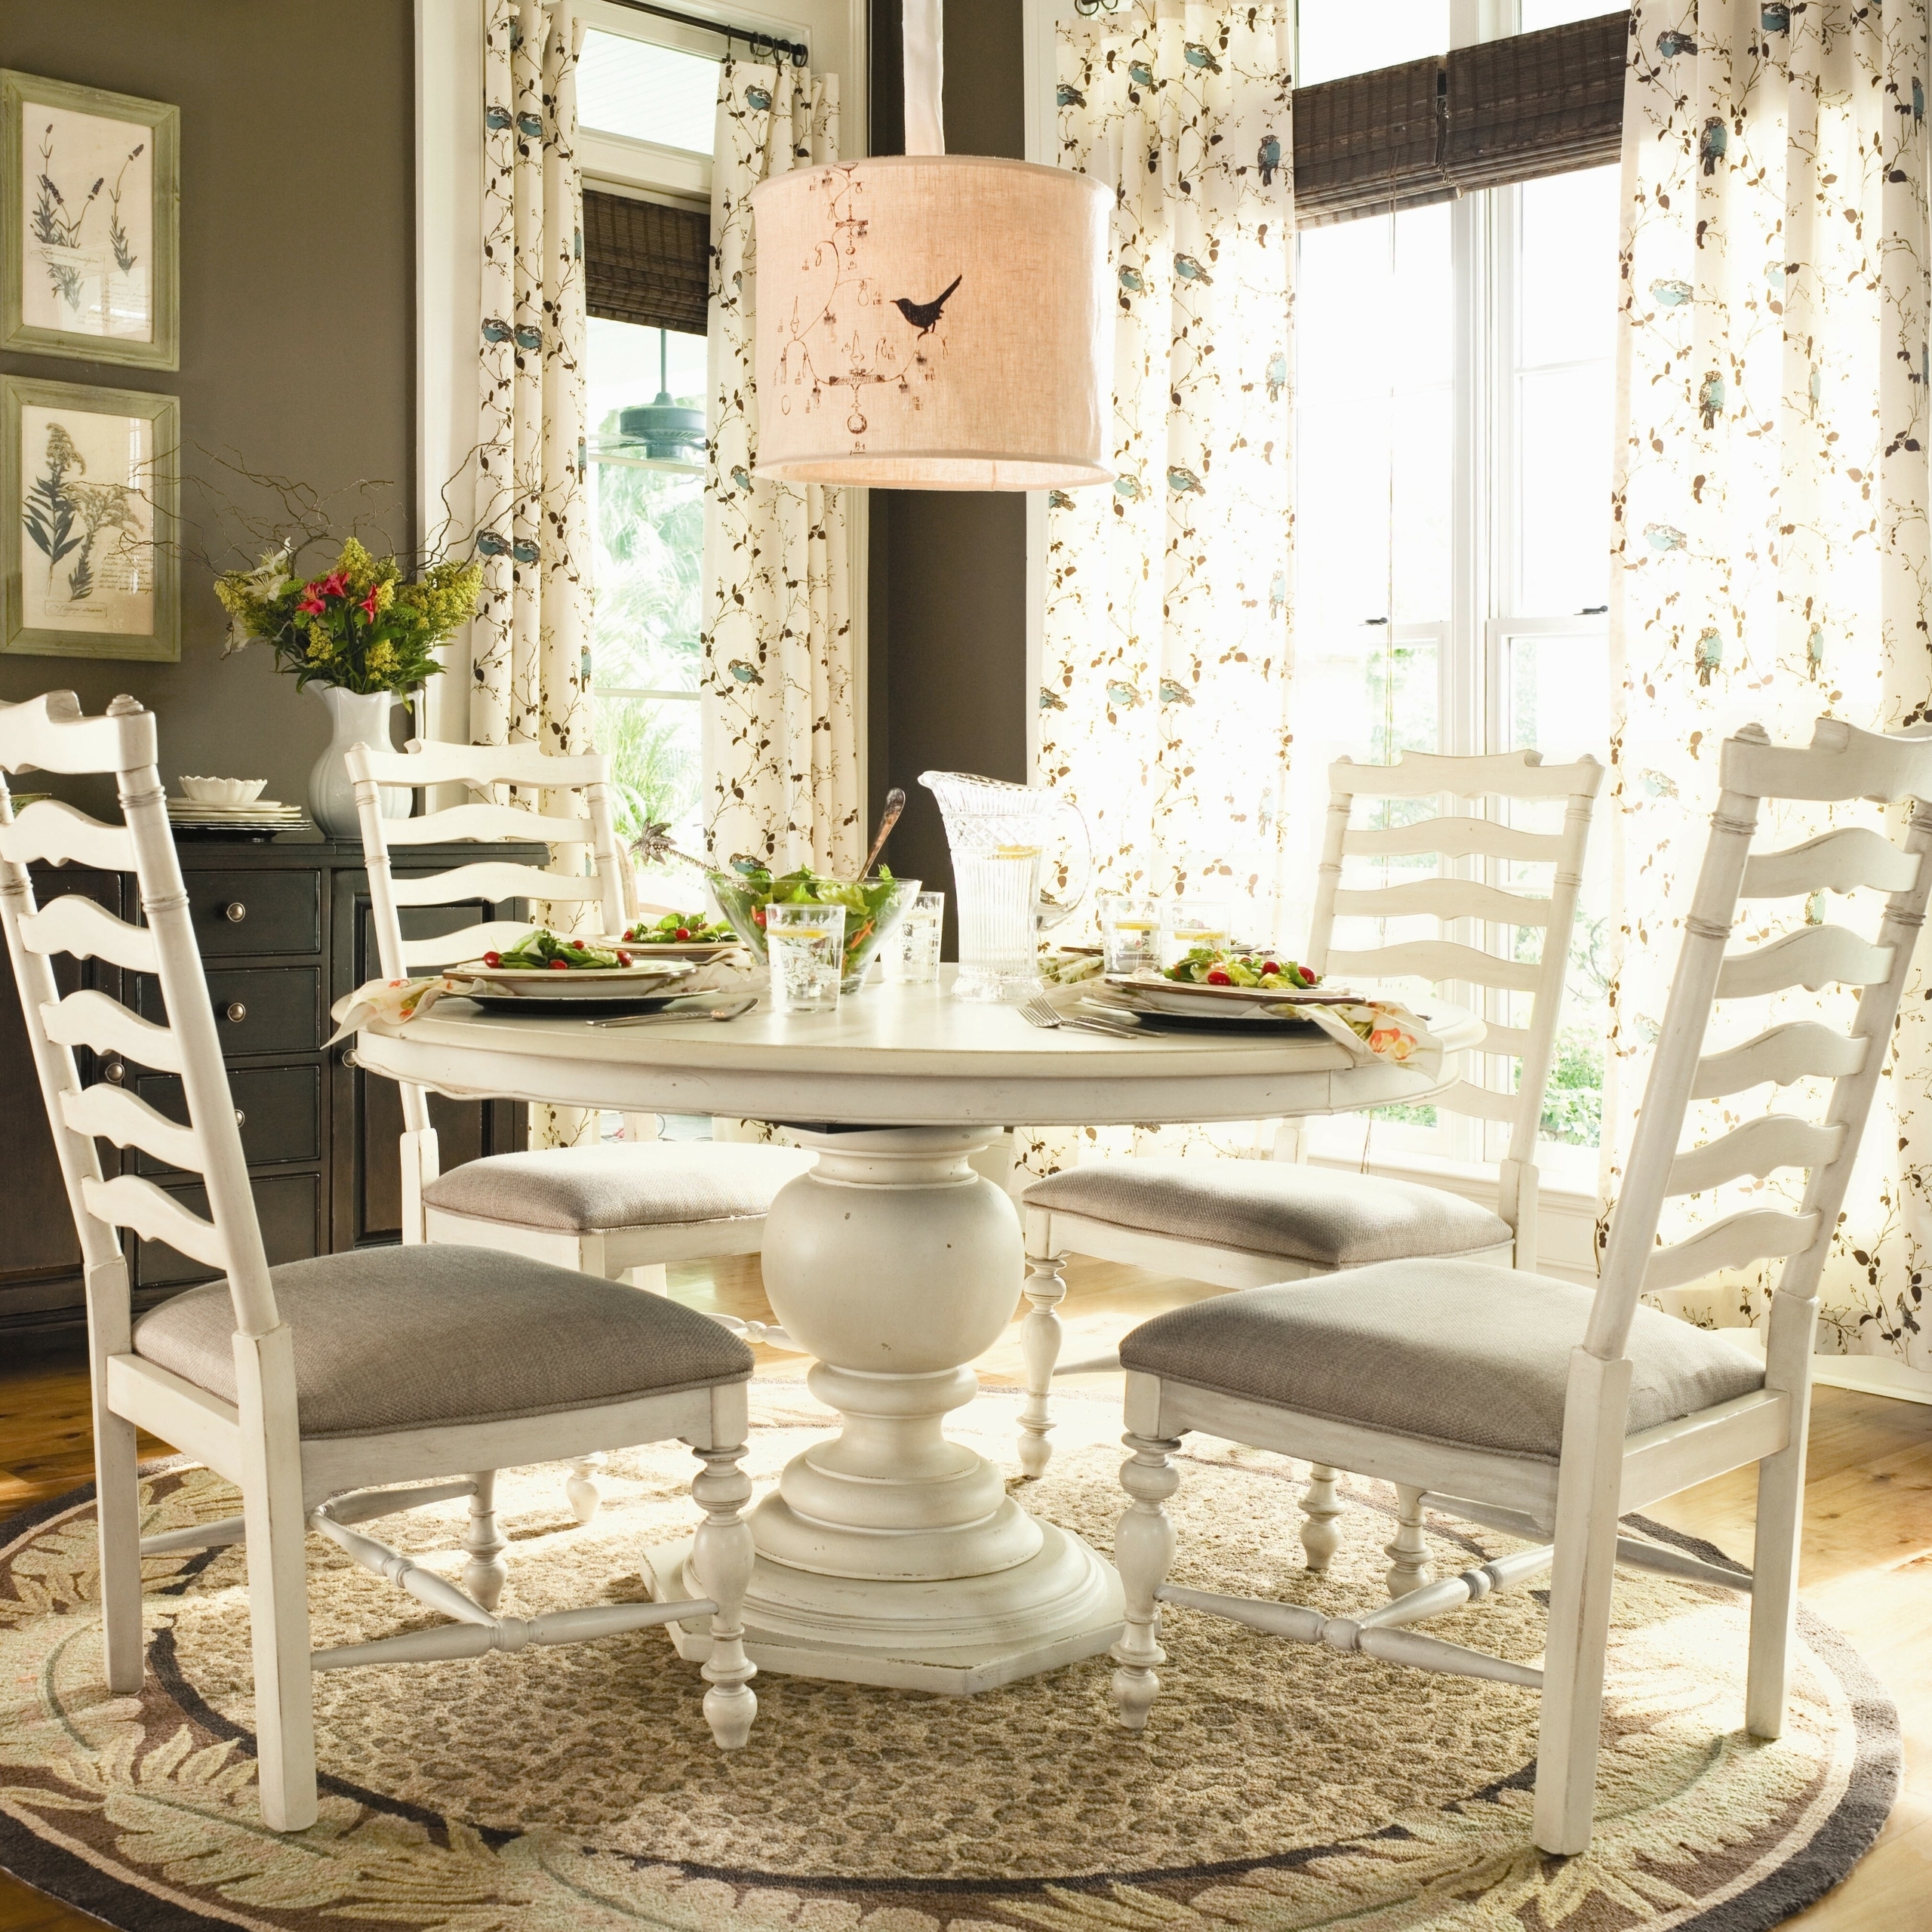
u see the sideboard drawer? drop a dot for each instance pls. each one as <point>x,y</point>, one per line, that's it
<point>264,1009</point>
<point>286,1205</point>
<point>281,1108</point>
<point>237,912</point>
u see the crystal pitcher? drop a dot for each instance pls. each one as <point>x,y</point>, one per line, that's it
<point>1021,862</point>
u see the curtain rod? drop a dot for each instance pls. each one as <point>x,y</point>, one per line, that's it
<point>754,38</point>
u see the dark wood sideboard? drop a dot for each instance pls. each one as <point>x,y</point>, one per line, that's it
<point>285,931</point>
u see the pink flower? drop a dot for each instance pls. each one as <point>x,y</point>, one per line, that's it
<point>336,584</point>
<point>312,604</point>
<point>370,605</point>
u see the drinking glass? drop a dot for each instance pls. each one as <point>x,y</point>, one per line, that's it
<point>805,948</point>
<point>1189,923</point>
<point>910,954</point>
<point>1130,933</point>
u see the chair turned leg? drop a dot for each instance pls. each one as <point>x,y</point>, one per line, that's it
<point>1320,1538</point>
<point>1040,1338</point>
<point>485,1573</point>
<point>117,1509</point>
<point>582,1489</point>
<point>1408,1554</point>
<point>721,1556</point>
<point>1774,1589</point>
<point>1143,1554</point>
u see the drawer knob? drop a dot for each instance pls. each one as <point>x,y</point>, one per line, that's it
<point>234,912</point>
<point>241,1118</point>
<point>114,1072</point>
<point>349,1056</point>
<point>237,1011</point>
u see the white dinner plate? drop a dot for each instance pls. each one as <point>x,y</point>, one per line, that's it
<point>1159,996</point>
<point>699,951</point>
<point>580,983</point>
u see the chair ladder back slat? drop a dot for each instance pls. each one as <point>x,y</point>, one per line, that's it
<point>1816,957</point>
<point>1758,1148</point>
<point>54,1059</point>
<point>78,925</point>
<point>90,1018</point>
<point>466,944</point>
<point>1633,1225</point>
<point>184,990</point>
<point>1736,1241</point>
<point>112,1113</point>
<point>482,821</point>
<point>1841,861</point>
<point>1781,1055</point>
<point>1455,838</point>
<point>1445,898</point>
<point>58,835</point>
<point>492,881</point>
<point>130,1201</point>
<point>1436,960</point>
<point>1849,1106</point>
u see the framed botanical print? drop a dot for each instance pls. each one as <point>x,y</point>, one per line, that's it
<point>90,188</point>
<point>90,492</point>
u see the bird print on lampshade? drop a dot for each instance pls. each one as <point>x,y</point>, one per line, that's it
<point>924,315</point>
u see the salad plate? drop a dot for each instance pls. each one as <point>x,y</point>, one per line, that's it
<point>582,982</point>
<point>1158,995</point>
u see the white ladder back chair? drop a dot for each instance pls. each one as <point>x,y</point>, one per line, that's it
<point>1451,839</point>
<point>589,834</point>
<point>624,1211</point>
<point>284,1380</point>
<point>1275,1223</point>
<point>1612,1404</point>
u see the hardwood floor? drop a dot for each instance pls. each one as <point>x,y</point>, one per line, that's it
<point>1868,1540</point>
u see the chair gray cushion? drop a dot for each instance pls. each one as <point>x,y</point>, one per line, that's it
<point>394,1338</point>
<point>647,1184</point>
<point>1453,1351</point>
<point>1332,1219</point>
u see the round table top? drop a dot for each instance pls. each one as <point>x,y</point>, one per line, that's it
<point>901,1055</point>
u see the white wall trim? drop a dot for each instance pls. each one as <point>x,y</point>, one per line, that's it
<point>449,249</point>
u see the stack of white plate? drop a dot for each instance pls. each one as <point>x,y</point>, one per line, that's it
<point>264,815</point>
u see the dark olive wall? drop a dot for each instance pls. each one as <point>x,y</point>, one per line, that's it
<point>948,583</point>
<point>297,305</point>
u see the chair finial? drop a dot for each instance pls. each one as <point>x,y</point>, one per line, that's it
<point>124,706</point>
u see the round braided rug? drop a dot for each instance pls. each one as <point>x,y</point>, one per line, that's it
<point>1277,1786</point>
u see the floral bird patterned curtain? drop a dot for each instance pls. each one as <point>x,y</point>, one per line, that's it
<point>1165,673</point>
<point>530,663</point>
<point>1770,538</point>
<point>780,731</point>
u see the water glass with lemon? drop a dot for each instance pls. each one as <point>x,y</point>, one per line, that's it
<point>1129,932</point>
<point>805,948</point>
<point>1188,923</point>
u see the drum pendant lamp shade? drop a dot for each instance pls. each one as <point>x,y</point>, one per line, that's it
<point>934,322</point>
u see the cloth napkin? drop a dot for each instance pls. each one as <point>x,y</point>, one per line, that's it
<point>399,1001</point>
<point>1368,1030</point>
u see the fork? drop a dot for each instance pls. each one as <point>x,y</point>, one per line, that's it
<point>727,1012</point>
<point>1041,1011</point>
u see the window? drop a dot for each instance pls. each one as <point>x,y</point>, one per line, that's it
<point>1452,447</point>
<point>645,385</point>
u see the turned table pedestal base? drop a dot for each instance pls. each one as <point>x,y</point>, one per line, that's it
<point>889,1554</point>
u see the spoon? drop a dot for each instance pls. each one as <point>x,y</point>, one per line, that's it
<point>895,804</point>
<point>729,1012</point>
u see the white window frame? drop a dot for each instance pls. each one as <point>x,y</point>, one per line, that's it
<point>449,173</point>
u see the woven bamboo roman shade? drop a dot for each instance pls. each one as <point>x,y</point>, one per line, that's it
<point>1478,117</point>
<point>645,263</point>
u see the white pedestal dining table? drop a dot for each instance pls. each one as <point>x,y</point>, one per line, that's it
<point>889,1553</point>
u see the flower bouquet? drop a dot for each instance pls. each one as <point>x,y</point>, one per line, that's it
<point>362,633</point>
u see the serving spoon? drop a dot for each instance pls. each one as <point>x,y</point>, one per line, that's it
<point>895,804</point>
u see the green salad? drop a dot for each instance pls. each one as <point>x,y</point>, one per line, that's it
<point>1216,966</point>
<point>873,906</point>
<point>682,929</point>
<point>541,951</point>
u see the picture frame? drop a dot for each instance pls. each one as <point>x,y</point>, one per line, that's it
<point>90,494</point>
<point>90,226</point>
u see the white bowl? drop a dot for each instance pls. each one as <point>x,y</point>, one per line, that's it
<point>223,791</point>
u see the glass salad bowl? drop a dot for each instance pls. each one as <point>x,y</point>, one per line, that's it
<point>873,906</point>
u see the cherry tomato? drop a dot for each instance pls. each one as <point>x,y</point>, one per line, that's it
<point>578,943</point>
<point>492,958</point>
<point>684,932</point>
<point>624,959</point>
<point>1271,967</point>
<point>1307,977</point>
<point>1218,978</point>
<point>560,965</point>
<point>758,916</point>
